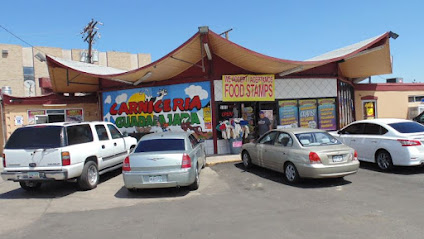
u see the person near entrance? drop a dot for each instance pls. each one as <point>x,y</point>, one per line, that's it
<point>264,124</point>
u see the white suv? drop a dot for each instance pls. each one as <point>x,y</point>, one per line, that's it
<point>64,151</point>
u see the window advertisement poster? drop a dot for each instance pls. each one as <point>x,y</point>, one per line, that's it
<point>369,109</point>
<point>180,107</point>
<point>308,113</point>
<point>327,114</point>
<point>248,88</point>
<point>288,113</point>
<point>74,115</point>
<point>33,113</point>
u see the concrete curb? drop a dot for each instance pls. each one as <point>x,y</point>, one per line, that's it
<point>209,164</point>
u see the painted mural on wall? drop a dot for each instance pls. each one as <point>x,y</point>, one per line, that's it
<point>181,107</point>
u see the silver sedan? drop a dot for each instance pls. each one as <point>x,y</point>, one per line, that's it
<point>301,153</point>
<point>167,159</point>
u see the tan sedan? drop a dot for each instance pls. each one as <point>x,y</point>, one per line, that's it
<point>301,153</point>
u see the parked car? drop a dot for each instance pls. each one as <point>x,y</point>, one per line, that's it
<point>386,142</point>
<point>64,151</point>
<point>167,159</point>
<point>301,153</point>
<point>419,118</point>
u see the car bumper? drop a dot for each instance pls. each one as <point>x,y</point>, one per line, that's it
<point>327,171</point>
<point>177,178</point>
<point>32,175</point>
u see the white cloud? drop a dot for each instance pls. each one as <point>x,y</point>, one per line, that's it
<point>121,98</point>
<point>108,100</point>
<point>194,90</point>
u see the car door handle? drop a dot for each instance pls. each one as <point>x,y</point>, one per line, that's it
<point>374,141</point>
<point>103,147</point>
<point>353,140</point>
<point>114,144</point>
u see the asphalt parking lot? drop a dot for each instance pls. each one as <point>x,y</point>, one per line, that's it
<point>230,203</point>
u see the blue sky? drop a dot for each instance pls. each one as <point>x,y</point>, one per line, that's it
<point>294,30</point>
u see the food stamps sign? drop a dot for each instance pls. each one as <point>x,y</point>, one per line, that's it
<point>248,88</point>
<point>182,107</point>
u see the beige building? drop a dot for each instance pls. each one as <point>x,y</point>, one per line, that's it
<point>20,69</point>
<point>389,100</point>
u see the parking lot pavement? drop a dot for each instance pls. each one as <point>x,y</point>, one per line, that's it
<point>231,203</point>
<point>20,208</point>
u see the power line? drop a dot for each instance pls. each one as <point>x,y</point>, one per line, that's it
<point>11,33</point>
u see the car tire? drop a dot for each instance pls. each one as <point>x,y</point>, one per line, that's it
<point>89,177</point>
<point>384,160</point>
<point>195,185</point>
<point>291,175</point>
<point>247,161</point>
<point>132,190</point>
<point>30,185</point>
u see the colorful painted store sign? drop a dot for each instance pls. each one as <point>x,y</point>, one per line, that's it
<point>308,113</point>
<point>182,107</point>
<point>248,88</point>
<point>327,114</point>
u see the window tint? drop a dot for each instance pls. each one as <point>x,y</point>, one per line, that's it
<point>155,145</point>
<point>101,132</point>
<point>316,139</point>
<point>374,129</point>
<point>353,129</point>
<point>284,139</point>
<point>268,138</point>
<point>407,127</point>
<point>38,137</point>
<point>79,134</point>
<point>114,131</point>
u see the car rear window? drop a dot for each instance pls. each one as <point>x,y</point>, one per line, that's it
<point>154,145</point>
<point>316,139</point>
<point>38,137</point>
<point>407,127</point>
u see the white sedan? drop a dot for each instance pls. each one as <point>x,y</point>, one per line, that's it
<point>386,142</point>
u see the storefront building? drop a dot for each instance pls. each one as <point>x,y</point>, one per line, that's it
<point>19,111</point>
<point>210,81</point>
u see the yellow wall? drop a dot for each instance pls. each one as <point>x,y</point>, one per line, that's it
<point>91,113</point>
<point>390,104</point>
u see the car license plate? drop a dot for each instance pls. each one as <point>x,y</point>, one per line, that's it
<point>155,179</point>
<point>337,158</point>
<point>33,175</point>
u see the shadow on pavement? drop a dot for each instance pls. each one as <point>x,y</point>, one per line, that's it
<point>304,183</point>
<point>152,193</point>
<point>53,189</point>
<point>402,170</point>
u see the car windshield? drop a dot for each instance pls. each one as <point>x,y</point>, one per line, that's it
<point>38,137</point>
<point>408,127</point>
<point>316,139</point>
<point>155,145</point>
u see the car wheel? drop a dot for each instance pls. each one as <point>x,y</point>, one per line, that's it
<point>196,183</point>
<point>30,185</point>
<point>247,162</point>
<point>384,160</point>
<point>132,190</point>
<point>89,177</point>
<point>290,173</point>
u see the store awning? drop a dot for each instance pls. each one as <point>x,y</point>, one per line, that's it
<point>363,59</point>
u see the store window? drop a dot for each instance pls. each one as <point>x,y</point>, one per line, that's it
<point>369,108</point>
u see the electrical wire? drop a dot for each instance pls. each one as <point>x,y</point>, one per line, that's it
<point>29,44</point>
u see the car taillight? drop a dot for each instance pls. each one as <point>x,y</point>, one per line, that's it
<point>126,166</point>
<point>66,158</point>
<point>355,155</point>
<point>314,158</point>
<point>406,142</point>
<point>186,163</point>
<point>4,160</point>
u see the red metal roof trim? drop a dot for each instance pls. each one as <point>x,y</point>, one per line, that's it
<point>391,87</point>
<point>48,99</point>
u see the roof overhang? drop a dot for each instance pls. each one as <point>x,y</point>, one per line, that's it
<point>363,59</point>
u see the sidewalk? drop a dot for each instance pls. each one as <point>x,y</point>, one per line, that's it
<point>217,159</point>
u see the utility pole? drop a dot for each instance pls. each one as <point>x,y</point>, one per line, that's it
<point>88,34</point>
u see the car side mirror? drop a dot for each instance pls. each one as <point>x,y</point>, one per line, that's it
<point>125,134</point>
<point>201,140</point>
